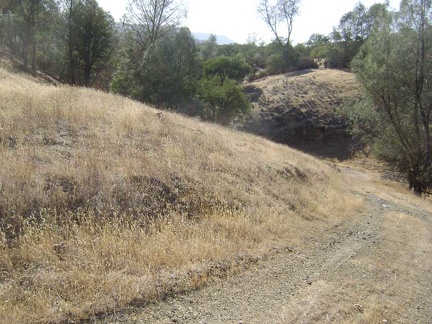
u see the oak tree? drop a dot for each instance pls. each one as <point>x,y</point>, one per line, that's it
<point>394,68</point>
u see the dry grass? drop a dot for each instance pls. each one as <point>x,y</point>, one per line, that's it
<point>301,109</point>
<point>104,204</point>
<point>318,90</point>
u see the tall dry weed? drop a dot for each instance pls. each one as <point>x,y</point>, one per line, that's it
<point>103,203</point>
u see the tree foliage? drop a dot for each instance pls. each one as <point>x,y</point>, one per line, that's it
<point>353,30</point>
<point>280,13</point>
<point>167,74</point>
<point>394,68</point>
<point>227,67</point>
<point>93,40</point>
<point>24,23</point>
<point>209,48</point>
<point>285,58</point>
<point>221,102</point>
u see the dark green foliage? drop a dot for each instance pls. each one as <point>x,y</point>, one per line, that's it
<point>71,40</point>
<point>227,67</point>
<point>319,52</point>
<point>169,74</point>
<point>255,55</point>
<point>166,75</point>
<point>8,29</point>
<point>290,59</point>
<point>25,23</point>
<point>276,64</point>
<point>209,48</point>
<point>346,40</point>
<point>365,120</point>
<point>89,43</point>
<point>94,40</point>
<point>221,102</point>
<point>317,40</point>
<point>317,46</point>
<point>393,68</point>
<point>282,56</point>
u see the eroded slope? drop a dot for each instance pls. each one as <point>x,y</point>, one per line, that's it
<point>300,109</point>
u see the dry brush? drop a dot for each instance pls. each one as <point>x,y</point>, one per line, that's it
<point>105,204</point>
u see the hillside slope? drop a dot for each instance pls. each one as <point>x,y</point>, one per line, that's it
<point>104,203</point>
<point>300,109</point>
<point>374,268</point>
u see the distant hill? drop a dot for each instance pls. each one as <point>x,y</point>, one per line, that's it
<point>200,37</point>
<point>221,39</point>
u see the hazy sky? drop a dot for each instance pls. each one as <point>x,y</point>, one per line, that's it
<point>237,19</point>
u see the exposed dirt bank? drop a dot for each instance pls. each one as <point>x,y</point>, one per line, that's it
<point>300,109</point>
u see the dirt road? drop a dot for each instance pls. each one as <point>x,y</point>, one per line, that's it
<point>374,268</point>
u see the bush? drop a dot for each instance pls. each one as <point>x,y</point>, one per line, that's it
<point>221,103</point>
<point>275,64</point>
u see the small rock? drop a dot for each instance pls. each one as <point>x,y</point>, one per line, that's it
<point>359,308</point>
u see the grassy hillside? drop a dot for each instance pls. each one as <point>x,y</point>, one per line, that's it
<point>300,109</point>
<point>104,204</point>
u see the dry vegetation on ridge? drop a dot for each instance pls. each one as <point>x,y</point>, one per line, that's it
<point>300,109</point>
<point>104,204</point>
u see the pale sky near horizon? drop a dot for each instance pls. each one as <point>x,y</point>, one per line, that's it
<point>238,19</point>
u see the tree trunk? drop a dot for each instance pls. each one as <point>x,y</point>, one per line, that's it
<point>26,46</point>
<point>71,77</point>
<point>33,56</point>
<point>87,74</point>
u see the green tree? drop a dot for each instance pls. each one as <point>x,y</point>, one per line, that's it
<point>281,12</point>
<point>49,54</point>
<point>89,40</point>
<point>28,11</point>
<point>393,68</point>
<point>221,102</point>
<point>317,45</point>
<point>95,39</point>
<point>353,30</point>
<point>68,15</point>
<point>227,67</point>
<point>209,48</point>
<point>148,51</point>
<point>281,61</point>
<point>317,40</point>
<point>8,25</point>
<point>26,20</point>
<point>168,74</point>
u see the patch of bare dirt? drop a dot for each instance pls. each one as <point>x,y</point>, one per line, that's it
<point>300,109</point>
<point>374,268</point>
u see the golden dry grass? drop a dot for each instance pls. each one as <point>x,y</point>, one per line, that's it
<point>104,204</point>
<point>321,90</point>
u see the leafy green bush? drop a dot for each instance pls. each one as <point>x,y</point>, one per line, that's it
<point>221,103</point>
<point>227,67</point>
